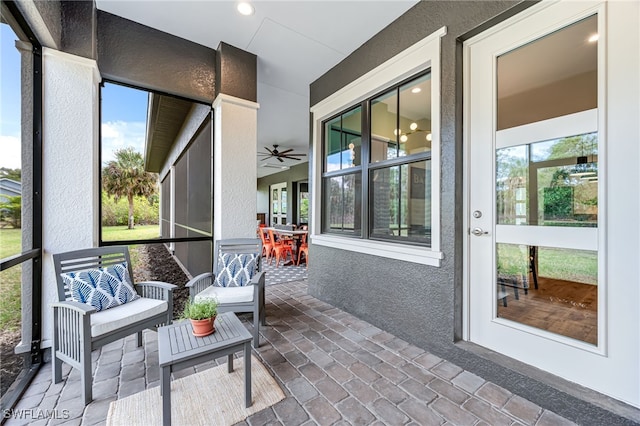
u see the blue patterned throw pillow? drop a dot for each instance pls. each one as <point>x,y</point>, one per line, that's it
<point>236,270</point>
<point>102,288</point>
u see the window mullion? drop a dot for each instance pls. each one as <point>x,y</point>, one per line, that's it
<point>365,158</point>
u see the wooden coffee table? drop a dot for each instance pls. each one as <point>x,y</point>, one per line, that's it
<point>178,348</point>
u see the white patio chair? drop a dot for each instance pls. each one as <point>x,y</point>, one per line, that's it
<point>237,280</point>
<point>80,326</point>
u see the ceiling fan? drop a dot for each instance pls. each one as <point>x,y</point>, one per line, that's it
<point>279,155</point>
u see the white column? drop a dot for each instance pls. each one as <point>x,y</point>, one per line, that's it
<point>70,163</point>
<point>234,167</point>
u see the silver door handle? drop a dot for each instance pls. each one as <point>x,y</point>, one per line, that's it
<point>478,232</point>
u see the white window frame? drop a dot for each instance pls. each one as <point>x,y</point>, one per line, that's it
<point>421,56</point>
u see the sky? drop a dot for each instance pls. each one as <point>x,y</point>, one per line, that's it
<point>124,119</point>
<point>9,100</point>
<point>124,110</point>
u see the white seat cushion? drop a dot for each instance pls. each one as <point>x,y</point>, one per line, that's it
<point>120,317</point>
<point>226,295</point>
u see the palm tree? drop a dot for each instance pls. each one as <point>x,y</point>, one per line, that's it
<point>125,177</point>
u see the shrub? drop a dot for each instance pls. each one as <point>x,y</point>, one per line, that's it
<point>144,212</point>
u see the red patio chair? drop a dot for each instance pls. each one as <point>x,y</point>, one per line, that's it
<point>280,248</point>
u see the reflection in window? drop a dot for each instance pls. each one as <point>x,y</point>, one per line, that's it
<point>397,205</point>
<point>342,204</point>
<point>401,202</point>
<point>552,289</point>
<point>343,140</point>
<point>401,121</point>
<point>550,183</point>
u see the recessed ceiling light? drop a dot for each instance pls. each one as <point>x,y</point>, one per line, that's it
<point>413,126</point>
<point>594,38</point>
<point>429,136</point>
<point>416,90</point>
<point>245,8</point>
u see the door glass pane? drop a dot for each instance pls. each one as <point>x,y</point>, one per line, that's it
<point>283,201</point>
<point>274,201</point>
<point>552,289</point>
<point>512,172</point>
<point>550,77</point>
<point>549,183</point>
<point>303,204</point>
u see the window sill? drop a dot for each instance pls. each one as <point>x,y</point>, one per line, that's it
<point>421,255</point>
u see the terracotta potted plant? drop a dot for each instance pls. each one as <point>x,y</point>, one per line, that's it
<point>202,315</point>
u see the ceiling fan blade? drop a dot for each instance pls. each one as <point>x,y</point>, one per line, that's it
<point>265,158</point>
<point>285,151</point>
<point>280,159</point>
<point>270,152</point>
<point>289,158</point>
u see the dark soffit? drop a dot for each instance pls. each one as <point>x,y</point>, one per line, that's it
<point>166,116</point>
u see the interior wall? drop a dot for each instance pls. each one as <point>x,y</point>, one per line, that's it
<point>575,94</point>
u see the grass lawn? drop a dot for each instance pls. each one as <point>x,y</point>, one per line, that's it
<point>564,264</point>
<point>10,245</point>
<point>10,280</point>
<point>140,232</point>
<point>10,242</point>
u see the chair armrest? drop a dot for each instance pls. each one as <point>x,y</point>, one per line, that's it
<point>199,283</point>
<point>81,308</point>
<point>258,279</point>
<point>72,331</point>
<point>155,290</point>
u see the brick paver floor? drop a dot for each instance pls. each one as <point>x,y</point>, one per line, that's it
<point>334,369</point>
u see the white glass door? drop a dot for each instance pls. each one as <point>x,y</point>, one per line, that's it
<point>278,203</point>
<point>535,191</point>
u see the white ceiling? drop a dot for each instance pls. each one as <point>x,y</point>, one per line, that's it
<point>295,42</point>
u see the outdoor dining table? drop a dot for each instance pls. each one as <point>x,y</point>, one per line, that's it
<point>295,234</point>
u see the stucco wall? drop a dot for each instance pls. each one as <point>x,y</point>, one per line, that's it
<point>132,53</point>
<point>423,304</point>
<point>70,153</point>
